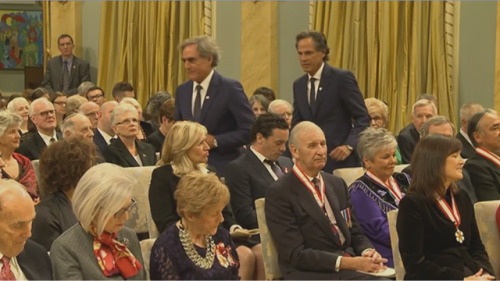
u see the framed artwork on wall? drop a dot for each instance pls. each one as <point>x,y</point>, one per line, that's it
<point>21,39</point>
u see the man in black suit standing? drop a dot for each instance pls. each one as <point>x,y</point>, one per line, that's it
<point>42,114</point>
<point>249,176</point>
<point>408,137</point>
<point>20,258</point>
<point>66,72</point>
<point>311,220</point>
<point>484,166</point>
<point>329,97</point>
<point>214,101</point>
<point>466,112</point>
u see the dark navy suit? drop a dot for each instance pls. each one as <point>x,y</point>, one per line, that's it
<point>340,111</point>
<point>225,113</point>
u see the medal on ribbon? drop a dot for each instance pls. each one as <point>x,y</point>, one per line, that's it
<point>453,215</point>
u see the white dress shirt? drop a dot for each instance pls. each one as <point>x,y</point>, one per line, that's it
<point>106,137</point>
<point>15,268</point>
<point>46,138</point>
<point>262,158</point>
<point>317,76</point>
<point>204,84</point>
<point>466,137</point>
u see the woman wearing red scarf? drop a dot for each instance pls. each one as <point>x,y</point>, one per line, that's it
<point>17,167</point>
<point>99,247</point>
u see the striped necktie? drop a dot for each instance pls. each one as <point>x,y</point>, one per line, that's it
<point>65,77</point>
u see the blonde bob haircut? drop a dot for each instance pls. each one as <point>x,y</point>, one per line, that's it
<point>100,193</point>
<point>188,198</point>
<point>180,138</point>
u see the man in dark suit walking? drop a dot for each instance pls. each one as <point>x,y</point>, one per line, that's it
<point>311,220</point>
<point>249,176</point>
<point>216,102</point>
<point>330,98</point>
<point>66,72</point>
<point>20,258</point>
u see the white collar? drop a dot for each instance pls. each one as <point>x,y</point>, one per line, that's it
<point>318,73</point>
<point>106,137</point>
<point>466,137</point>
<point>46,138</point>
<point>260,156</point>
<point>206,82</point>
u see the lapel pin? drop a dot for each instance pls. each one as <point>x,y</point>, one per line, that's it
<point>74,66</point>
<point>144,155</point>
<point>207,97</point>
<point>320,88</point>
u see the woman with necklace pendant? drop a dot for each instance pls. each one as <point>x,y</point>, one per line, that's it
<point>438,234</point>
<point>380,189</point>
<point>197,247</point>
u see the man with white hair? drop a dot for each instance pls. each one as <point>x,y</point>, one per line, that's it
<point>20,258</point>
<point>214,101</point>
<point>104,132</point>
<point>91,110</point>
<point>84,88</point>
<point>466,112</point>
<point>285,110</point>
<point>310,217</point>
<point>42,114</point>
<point>77,125</point>
<point>409,136</point>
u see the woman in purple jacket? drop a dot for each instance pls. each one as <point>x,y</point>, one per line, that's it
<point>380,189</point>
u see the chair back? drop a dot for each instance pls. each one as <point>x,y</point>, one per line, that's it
<point>392,217</point>
<point>488,231</point>
<point>400,168</point>
<point>269,252</point>
<point>349,175</point>
<point>138,217</point>
<point>146,246</point>
<point>36,167</point>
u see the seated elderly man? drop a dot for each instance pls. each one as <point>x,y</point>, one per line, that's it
<point>91,110</point>
<point>484,166</point>
<point>42,114</point>
<point>285,110</point>
<point>84,88</point>
<point>77,125</point>
<point>104,132</point>
<point>20,258</point>
<point>466,112</point>
<point>311,220</point>
<point>73,104</point>
<point>441,125</point>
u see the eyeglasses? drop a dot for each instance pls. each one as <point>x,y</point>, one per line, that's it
<point>128,121</point>
<point>45,113</point>
<point>286,114</point>
<point>61,103</point>
<point>65,44</point>
<point>122,211</point>
<point>96,97</point>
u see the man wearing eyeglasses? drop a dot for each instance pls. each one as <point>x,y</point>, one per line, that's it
<point>96,94</point>
<point>42,114</point>
<point>66,72</point>
<point>91,110</point>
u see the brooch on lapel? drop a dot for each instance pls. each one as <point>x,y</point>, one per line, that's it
<point>285,170</point>
<point>346,214</point>
<point>125,242</point>
<point>320,88</point>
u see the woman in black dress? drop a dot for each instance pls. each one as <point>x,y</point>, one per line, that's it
<point>185,151</point>
<point>438,234</point>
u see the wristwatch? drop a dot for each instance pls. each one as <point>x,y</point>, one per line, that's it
<point>349,147</point>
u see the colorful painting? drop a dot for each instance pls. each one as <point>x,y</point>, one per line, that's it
<point>21,39</point>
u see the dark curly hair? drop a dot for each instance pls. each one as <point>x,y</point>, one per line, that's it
<point>63,163</point>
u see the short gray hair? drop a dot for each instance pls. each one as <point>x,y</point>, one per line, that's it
<point>84,87</point>
<point>423,102</point>
<point>435,121</point>
<point>372,140</point>
<point>8,186</point>
<point>73,104</point>
<point>276,103</point>
<point>206,46</point>
<point>121,109</point>
<point>11,106</point>
<point>260,98</point>
<point>298,130</point>
<point>469,109</point>
<point>35,103</point>
<point>69,123</point>
<point>9,120</point>
<point>100,193</point>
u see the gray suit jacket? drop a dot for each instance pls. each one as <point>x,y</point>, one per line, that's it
<point>53,79</point>
<point>73,257</point>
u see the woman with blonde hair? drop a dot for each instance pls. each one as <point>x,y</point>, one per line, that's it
<point>185,151</point>
<point>99,247</point>
<point>379,114</point>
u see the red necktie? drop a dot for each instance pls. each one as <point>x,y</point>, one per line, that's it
<point>6,273</point>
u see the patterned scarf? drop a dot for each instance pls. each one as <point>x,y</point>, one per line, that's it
<point>114,257</point>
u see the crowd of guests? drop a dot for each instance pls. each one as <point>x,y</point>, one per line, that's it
<point>215,152</point>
